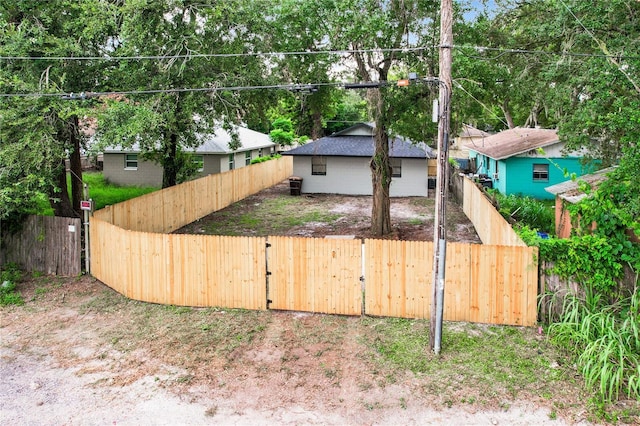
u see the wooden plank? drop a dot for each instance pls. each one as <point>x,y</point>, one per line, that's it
<point>397,278</point>
<point>315,275</point>
<point>47,244</point>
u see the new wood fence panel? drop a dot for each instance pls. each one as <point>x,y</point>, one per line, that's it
<point>458,282</point>
<point>398,276</point>
<point>486,284</point>
<point>315,275</point>
<point>189,270</point>
<point>172,208</point>
<point>491,227</point>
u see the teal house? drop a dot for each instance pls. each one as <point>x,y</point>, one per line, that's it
<point>525,161</point>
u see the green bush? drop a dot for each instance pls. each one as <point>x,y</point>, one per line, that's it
<point>604,340</point>
<point>263,159</point>
<point>525,211</point>
<point>10,275</point>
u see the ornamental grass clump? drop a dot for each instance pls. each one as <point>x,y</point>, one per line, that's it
<point>604,340</point>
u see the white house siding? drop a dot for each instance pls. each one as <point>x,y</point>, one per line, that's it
<point>352,176</point>
<point>413,181</point>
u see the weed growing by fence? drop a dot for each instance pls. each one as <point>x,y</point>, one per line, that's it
<point>604,340</point>
<point>10,275</point>
<point>525,211</point>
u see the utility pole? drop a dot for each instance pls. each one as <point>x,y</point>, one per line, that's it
<point>439,234</point>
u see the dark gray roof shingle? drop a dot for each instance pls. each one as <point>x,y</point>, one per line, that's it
<point>358,146</point>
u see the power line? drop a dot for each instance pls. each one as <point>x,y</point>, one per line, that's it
<point>311,87</point>
<point>502,52</point>
<point>208,55</point>
<point>461,87</point>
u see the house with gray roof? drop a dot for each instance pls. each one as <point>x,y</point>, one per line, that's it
<point>125,166</point>
<point>339,164</point>
<point>525,161</point>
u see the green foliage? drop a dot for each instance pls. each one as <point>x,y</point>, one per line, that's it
<point>350,108</point>
<point>101,192</point>
<point>610,212</point>
<point>281,137</point>
<point>265,158</point>
<point>604,340</point>
<point>525,211</point>
<point>38,132</point>
<point>10,275</point>
<point>283,124</point>
<point>282,132</point>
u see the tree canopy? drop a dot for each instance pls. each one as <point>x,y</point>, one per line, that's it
<point>552,63</point>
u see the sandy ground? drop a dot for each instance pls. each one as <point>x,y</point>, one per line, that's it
<point>60,365</point>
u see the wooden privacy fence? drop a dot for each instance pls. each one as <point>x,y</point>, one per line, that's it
<point>172,208</point>
<point>490,284</point>
<point>46,244</point>
<point>489,223</point>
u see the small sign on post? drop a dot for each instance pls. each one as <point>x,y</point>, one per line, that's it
<point>85,205</point>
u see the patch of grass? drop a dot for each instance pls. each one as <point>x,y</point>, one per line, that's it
<point>312,216</point>
<point>101,192</point>
<point>492,360</point>
<point>267,217</point>
<point>10,275</point>
<point>104,193</point>
<point>201,334</point>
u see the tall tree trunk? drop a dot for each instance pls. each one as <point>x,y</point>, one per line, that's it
<point>75,163</point>
<point>59,197</point>
<point>380,171</point>
<point>316,130</point>
<point>169,162</point>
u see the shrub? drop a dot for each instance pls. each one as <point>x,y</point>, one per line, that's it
<point>10,275</point>
<point>604,340</point>
<point>263,159</point>
<point>525,211</point>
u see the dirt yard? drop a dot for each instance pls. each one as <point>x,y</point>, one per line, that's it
<point>79,353</point>
<point>275,212</point>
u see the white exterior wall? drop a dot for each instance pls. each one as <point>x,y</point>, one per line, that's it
<point>413,182</point>
<point>352,176</point>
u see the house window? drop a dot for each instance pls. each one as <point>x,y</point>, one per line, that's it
<point>247,158</point>
<point>318,166</point>
<point>198,161</point>
<point>131,161</point>
<point>396,167</point>
<point>232,161</point>
<point>541,172</point>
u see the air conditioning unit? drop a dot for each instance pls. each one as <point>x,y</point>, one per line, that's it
<point>496,176</point>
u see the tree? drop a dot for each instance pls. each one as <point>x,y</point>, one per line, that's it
<point>175,38</point>
<point>374,32</point>
<point>37,133</point>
